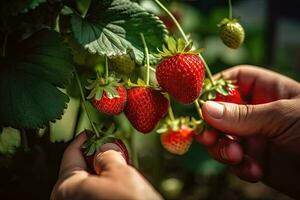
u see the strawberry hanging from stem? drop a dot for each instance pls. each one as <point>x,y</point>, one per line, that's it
<point>181,71</point>
<point>231,31</point>
<point>145,106</point>
<point>177,134</point>
<point>107,94</point>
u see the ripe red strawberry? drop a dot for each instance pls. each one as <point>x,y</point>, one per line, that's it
<point>232,97</point>
<point>145,107</point>
<point>111,106</point>
<point>182,76</point>
<point>177,141</point>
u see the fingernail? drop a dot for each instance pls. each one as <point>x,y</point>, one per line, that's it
<point>110,146</point>
<point>214,109</point>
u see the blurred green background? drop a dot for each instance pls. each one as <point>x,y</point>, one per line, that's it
<point>272,41</point>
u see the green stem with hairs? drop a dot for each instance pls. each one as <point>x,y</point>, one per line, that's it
<point>170,110</point>
<point>106,70</point>
<point>147,59</point>
<point>208,72</point>
<point>198,109</point>
<point>84,104</point>
<point>230,9</point>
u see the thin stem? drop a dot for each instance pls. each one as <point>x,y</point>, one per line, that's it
<point>147,58</point>
<point>106,70</point>
<point>174,20</point>
<point>170,110</point>
<point>84,104</point>
<point>230,9</point>
<point>4,45</point>
<point>208,72</point>
<point>198,109</point>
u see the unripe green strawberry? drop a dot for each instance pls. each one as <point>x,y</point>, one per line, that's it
<point>123,65</point>
<point>232,33</point>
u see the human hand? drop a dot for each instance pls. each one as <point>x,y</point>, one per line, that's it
<point>117,180</point>
<point>269,130</point>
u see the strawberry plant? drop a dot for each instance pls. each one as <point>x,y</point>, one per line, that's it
<point>112,59</point>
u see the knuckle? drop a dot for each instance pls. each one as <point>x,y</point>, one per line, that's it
<point>243,112</point>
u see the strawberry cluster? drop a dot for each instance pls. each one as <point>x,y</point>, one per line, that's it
<point>180,74</point>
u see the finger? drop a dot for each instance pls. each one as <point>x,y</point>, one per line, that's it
<point>246,120</point>
<point>250,78</point>
<point>226,151</point>
<point>72,159</point>
<point>109,156</point>
<point>245,77</point>
<point>248,170</point>
<point>208,137</point>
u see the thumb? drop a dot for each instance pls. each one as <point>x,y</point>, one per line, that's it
<point>245,120</point>
<point>109,156</point>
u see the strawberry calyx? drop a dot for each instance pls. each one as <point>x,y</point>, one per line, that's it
<point>100,85</point>
<point>221,86</point>
<point>142,83</point>
<point>94,142</point>
<point>226,20</point>
<point>175,46</point>
<point>180,123</point>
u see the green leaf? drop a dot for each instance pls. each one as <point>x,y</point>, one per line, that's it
<point>29,77</point>
<point>10,139</point>
<point>113,27</point>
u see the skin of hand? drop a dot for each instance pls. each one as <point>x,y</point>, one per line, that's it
<point>117,180</point>
<point>267,128</point>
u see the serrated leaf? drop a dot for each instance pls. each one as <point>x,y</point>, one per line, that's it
<point>10,139</point>
<point>113,27</point>
<point>29,77</point>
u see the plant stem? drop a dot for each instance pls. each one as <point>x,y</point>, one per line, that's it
<point>174,20</point>
<point>84,104</point>
<point>230,9</point>
<point>106,70</point>
<point>170,110</point>
<point>147,58</point>
<point>4,45</point>
<point>208,72</point>
<point>198,109</point>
